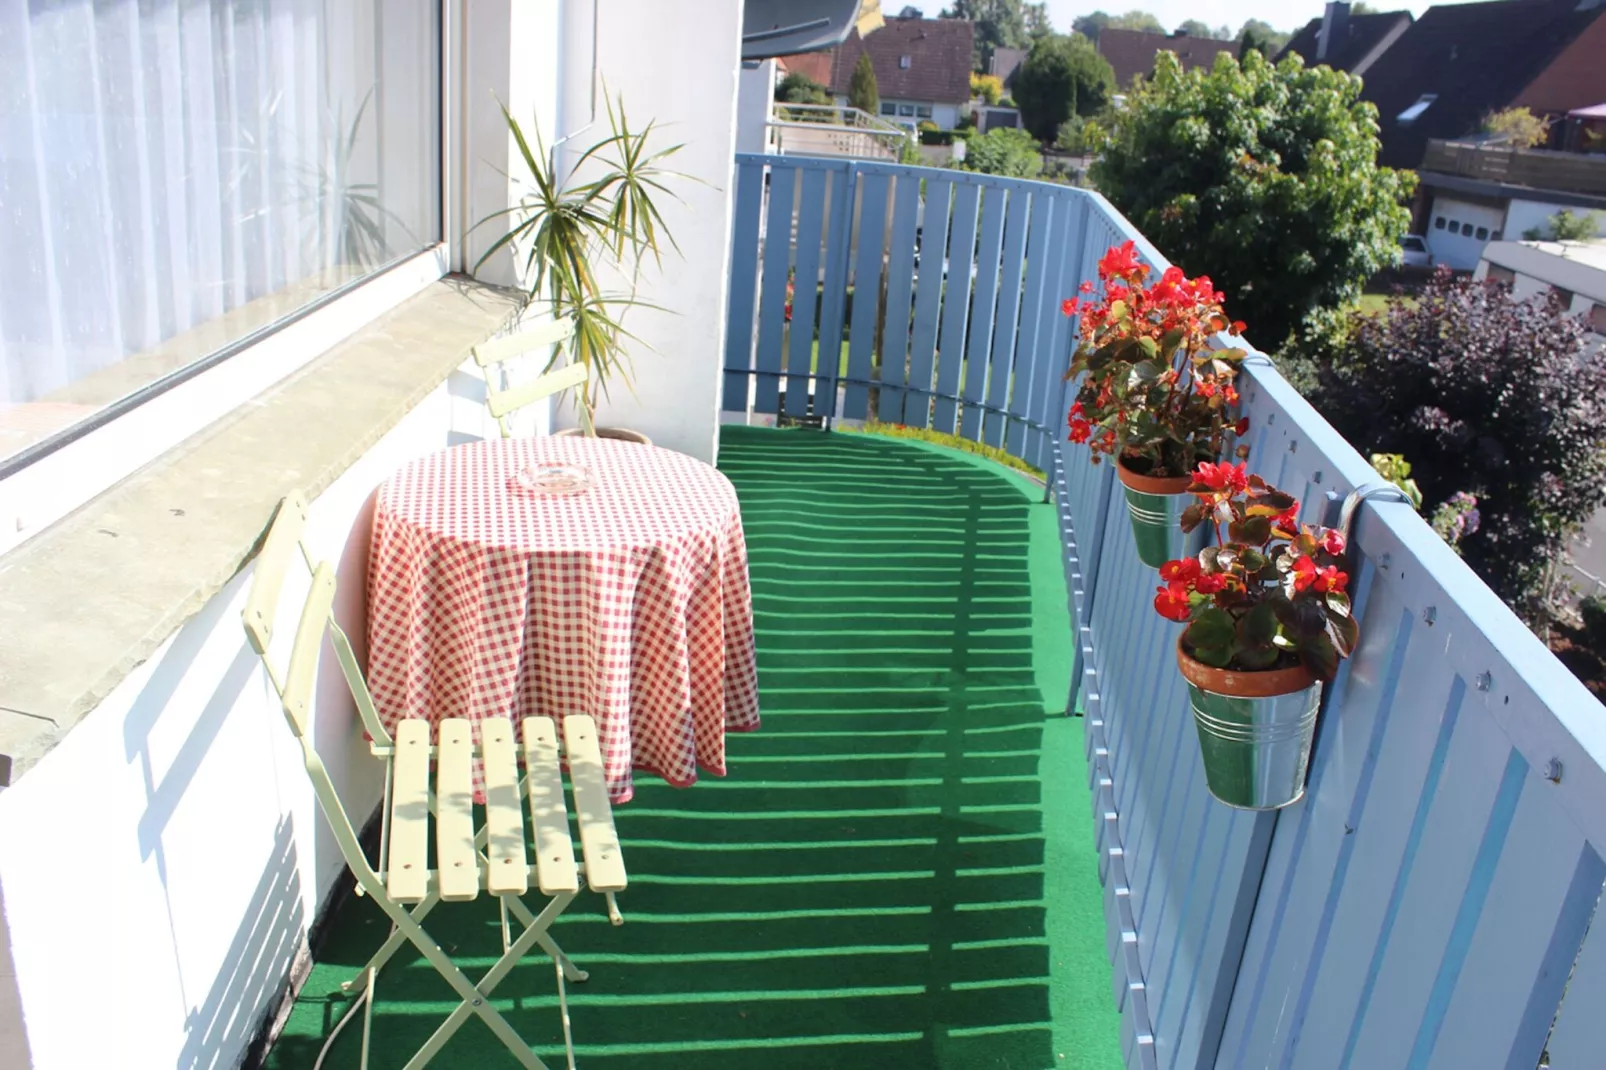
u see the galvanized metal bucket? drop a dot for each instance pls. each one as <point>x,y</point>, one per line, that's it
<point>1256,746</point>
<point>1155,506</point>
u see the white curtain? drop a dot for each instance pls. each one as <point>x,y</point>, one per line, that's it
<point>166,162</point>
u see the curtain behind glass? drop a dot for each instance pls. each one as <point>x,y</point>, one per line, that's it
<point>174,175</point>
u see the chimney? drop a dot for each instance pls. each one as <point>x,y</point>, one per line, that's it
<point>1335,24</point>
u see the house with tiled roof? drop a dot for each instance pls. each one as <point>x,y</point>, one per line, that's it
<point>1130,53</point>
<point>922,68</point>
<point>1347,41</point>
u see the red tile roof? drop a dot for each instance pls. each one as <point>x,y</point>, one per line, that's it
<point>1131,52</point>
<point>939,54</point>
<point>816,66</point>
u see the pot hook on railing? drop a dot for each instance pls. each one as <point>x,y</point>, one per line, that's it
<point>1365,492</point>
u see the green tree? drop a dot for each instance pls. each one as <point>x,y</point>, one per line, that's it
<point>1090,25</point>
<point>1062,77</point>
<point>1004,151</point>
<point>1195,28</point>
<point>987,87</point>
<point>862,92</point>
<point>1267,41</point>
<point>998,24</point>
<point>1264,178</point>
<point>798,88</point>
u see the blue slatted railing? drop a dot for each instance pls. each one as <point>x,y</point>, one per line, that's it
<point>1430,902</point>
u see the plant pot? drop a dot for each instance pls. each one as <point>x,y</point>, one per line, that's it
<point>1255,731</point>
<point>1155,504</point>
<point>619,434</point>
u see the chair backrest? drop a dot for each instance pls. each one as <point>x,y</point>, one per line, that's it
<point>501,398</point>
<point>295,685</point>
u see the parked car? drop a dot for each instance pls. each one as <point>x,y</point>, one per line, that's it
<point>1414,252</point>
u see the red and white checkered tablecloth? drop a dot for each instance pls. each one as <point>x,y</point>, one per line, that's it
<point>628,600</point>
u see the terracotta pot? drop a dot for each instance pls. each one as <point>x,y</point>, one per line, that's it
<point>1255,731</point>
<point>620,434</point>
<point>1155,504</point>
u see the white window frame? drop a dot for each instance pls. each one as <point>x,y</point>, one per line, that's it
<point>35,496</point>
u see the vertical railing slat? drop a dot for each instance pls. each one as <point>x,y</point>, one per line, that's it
<point>742,302</point>
<point>928,300</point>
<point>982,310</point>
<point>833,299</point>
<point>805,290</point>
<point>956,304</point>
<point>1580,1034</point>
<point>1040,258</point>
<point>900,288</point>
<point>866,293</point>
<point>772,299</point>
<point>1010,291</point>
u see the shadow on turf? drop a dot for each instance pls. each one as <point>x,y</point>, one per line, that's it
<point>866,888</point>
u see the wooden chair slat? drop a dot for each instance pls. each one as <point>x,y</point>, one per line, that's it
<point>273,561</point>
<point>511,346</point>
<point>605,862</point>
<point>504,819</point>
<point>502,402</point>
<point>455,857</point>
<point>302,675</point>
<point>408,878</point>
<point>549,819</point>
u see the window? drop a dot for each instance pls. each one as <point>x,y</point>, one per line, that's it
<point>923,111</point>
<point>906,109</point>
<point>903,63</point>
<point>888,108</point>
<point>222,170</point>
<point>1411,243</point>
<point>1483,234</point>
<point>1502,274</point>
<point>1494,235</point>
<point>1564,296</point>
<point>1455,226</point>
<point>1597,318</point>
<point>1414,112</point>
<point>1438,224</point>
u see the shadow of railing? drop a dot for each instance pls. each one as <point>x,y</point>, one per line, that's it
<point>867,886</point>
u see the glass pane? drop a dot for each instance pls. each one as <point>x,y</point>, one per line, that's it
<point>178,174</point>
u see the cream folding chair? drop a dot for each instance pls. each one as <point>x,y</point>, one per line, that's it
<point>494,859</point>
<point>502,398</point>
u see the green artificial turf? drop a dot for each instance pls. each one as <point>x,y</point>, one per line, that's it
<point>898,871</point>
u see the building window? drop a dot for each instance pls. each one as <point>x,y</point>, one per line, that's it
<point>1455,226</point>
<point>906,109</point>
<point>1438,224</point>
<point>1564,296</point>
<point>1502,274</point>
<point>221,170</point>
<point>903,63</point>
<point>1483,234</point>
<point>1414,112</point>
<point>888,108</point>
<point>1597,318</point>
<point>1494,235</point>
<point>923,111</point>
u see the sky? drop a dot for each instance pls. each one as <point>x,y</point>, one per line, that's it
<point>1287,15</point>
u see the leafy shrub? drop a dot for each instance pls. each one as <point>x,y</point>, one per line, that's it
<point>1518,127</point>
<point>799,88</point>
<point>987,87</point>
<point>1593,610</point>
<point>1564,226</point>
<point>1004,151</point>
<point>1487,395</point>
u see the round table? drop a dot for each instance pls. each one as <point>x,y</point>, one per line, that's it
<point>627,600</point>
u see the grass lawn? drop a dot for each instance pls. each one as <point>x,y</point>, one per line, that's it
<point>842,365</point>
<point>1379,304</point>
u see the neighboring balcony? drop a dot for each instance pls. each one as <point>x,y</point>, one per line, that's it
<point>1539,169</point>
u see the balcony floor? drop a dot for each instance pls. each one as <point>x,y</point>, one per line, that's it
<point>898,871</point>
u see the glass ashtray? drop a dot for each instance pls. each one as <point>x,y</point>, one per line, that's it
<point>554,478</point>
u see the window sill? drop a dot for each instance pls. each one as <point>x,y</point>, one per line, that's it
<point>86,602</point>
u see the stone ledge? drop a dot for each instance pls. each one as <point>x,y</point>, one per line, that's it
<point>89,600</point>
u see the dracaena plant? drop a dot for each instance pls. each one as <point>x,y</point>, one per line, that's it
<point>1271,593</point>
<point>1154,393</point>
